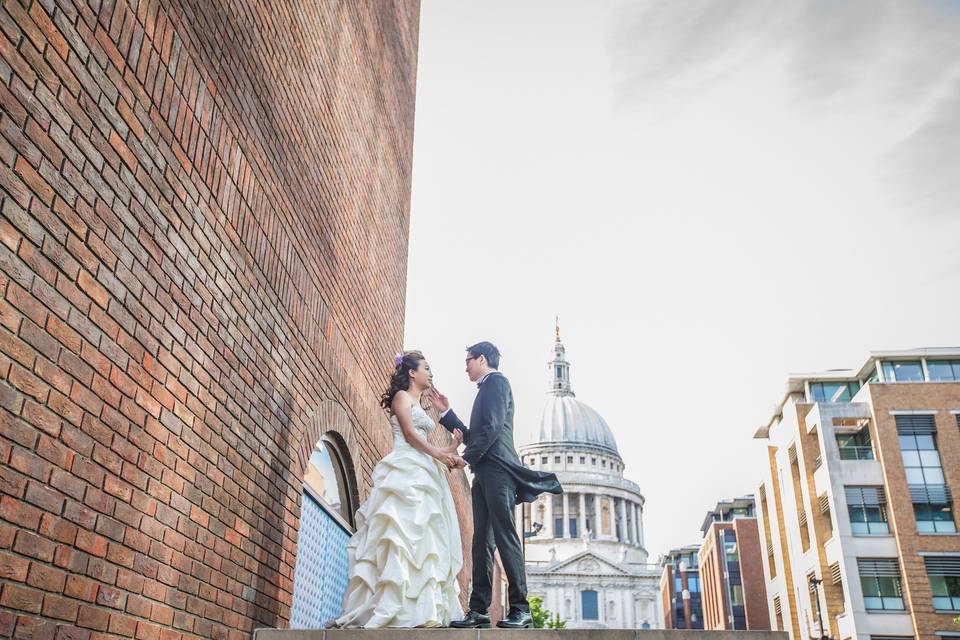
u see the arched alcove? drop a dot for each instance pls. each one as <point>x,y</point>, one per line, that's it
<point>327,518</point>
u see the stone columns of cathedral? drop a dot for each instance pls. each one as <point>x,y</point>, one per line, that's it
<point>623,510</point>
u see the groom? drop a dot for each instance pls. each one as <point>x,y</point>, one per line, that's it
<point>500,481</point>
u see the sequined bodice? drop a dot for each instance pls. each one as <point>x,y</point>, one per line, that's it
<point>421,421</point>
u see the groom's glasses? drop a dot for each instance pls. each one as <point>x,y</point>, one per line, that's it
<point>467,361</point>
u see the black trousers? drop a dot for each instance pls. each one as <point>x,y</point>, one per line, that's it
<point>494,527</point>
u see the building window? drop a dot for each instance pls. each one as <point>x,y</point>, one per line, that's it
<point>556,459</point>
<point>921,461</point>
<point>573,528</point>
<point>855,446</point>
<point>944,575</point>
<point>543,460</point>
<point>569,459</point>
<point>880,579</point>
<point>558,527</point>
<point>593,461</point>
<point>588,605</point>
<point>934,518</point>
<point>603,463</point>
<point>907,371</point>
<point>583,460</point>
<point>834,391</point>
<point>868,510</point>
<point>736,595</point>
<point>329,476</point>
<point>943,370</point>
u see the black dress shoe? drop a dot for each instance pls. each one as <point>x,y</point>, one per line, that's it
<point>473,620</point>
<point>517,620</point>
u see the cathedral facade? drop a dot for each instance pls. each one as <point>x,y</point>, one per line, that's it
<point>584,549</point>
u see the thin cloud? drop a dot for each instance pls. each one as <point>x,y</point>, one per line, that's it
<point>886,59</point>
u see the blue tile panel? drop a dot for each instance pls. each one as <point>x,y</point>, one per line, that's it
<point>320,578</point>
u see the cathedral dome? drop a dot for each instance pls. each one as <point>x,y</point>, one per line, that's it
<point>569,421</point>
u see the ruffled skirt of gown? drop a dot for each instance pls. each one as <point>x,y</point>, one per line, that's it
<point>406,554</point>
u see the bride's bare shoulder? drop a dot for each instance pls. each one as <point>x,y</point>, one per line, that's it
<point>402,399</point>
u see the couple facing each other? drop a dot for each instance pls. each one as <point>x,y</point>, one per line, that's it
<point>405,555</point>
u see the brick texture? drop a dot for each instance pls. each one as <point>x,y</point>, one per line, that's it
<point>942,398</point>
<point>203,263</point>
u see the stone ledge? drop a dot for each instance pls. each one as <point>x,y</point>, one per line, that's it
<point>514,634</point>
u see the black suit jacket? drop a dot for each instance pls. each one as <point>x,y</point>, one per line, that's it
<point>489,439</point>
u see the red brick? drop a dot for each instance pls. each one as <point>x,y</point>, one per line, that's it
<point>92,543</point>
<point>13,567</point>
<point>42,418</point>
<point>70,632</point>
<point>21,598</point>
<point>81,588</point>
<point>92,288</point>
<point>19,513</point>
<point>46,578</point>
<point>34,181</point>
<point>34,546</point>
<point>93,618</point>
<point>30,628</point>
<point>58,529</point>
<point>60,608</point>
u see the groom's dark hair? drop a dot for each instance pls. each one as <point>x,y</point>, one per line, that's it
<point>488,350</point>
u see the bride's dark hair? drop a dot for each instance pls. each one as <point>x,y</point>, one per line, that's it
<point>400,378</point>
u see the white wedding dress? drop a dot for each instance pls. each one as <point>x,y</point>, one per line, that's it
<point>406,554</point>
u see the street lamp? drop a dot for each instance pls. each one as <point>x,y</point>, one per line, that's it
<point>815,589</point>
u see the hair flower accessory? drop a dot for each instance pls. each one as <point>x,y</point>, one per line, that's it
<point>398,359</point>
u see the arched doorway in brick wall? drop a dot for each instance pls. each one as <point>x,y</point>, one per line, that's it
<point>327,511</point>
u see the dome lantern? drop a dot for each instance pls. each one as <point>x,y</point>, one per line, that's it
<point>560,368</point>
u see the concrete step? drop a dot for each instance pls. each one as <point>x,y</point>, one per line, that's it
<point>515,634</point>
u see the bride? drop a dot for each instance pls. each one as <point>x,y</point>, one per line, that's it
<point>406,554</point>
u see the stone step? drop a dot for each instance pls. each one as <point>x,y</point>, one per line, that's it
<point>514,634</point>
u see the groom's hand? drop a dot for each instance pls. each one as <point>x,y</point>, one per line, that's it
<point>438,400</point>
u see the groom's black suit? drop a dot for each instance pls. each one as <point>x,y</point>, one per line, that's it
<point>500,482</point>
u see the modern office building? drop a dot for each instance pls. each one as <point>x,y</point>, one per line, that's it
<point>857,518</point>
<point>680,588</point>
<point>732,582</point>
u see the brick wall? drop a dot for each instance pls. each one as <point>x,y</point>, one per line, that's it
<point>943,398</point>
<point>202,260</point>
<point>751,574</point>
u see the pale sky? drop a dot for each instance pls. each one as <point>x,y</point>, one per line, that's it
<point>710,193</point>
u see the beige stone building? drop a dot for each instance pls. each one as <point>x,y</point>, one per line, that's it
<point>856,514</point>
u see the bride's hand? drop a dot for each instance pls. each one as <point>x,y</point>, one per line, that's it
<point>449,459</point>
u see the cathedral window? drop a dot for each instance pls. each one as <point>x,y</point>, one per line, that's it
<point>588,605</point>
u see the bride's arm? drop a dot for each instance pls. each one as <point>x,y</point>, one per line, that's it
<point>401,407</point>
